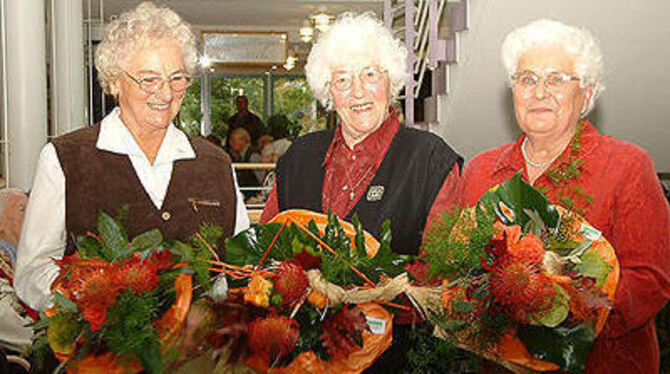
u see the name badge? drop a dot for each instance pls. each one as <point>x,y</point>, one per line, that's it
<point>375,193</point>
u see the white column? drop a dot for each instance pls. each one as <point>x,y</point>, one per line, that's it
<point>67,67</point>
<point>26,87</point>
<point>205,95</point>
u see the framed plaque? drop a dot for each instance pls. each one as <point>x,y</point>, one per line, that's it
<point>245,47</point>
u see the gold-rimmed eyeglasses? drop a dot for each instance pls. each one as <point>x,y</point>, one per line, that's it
<point>153,83</point>
<point>343,80</point>
<point>553,81</point>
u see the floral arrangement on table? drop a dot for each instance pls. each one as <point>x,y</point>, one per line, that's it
<point>526,283</point>
<point>314,285</point>
<point>119,305</point>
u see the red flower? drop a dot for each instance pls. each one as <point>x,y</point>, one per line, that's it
<point>138,275</point>
<point>96,315</point>
<point>342,333</point>
<point>521,289</point>
<point>273,336</point>
<point>291,282</point>
<point>97,288</point>
<point>162,259</point>
<point>529,248</point>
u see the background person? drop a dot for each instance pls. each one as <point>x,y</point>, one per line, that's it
<point>145,61</point>
<point>245,119</point>
<point>556,75</point>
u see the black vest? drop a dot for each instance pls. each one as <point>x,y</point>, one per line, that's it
<point>408,180</point>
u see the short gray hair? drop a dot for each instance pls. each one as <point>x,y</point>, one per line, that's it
<point>136,28</point>
<point>578,42</point>
<point>350,40</point>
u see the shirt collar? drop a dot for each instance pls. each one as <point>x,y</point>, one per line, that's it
<point>115,137</point>
<point>375,143</point>
<point>512,158</point>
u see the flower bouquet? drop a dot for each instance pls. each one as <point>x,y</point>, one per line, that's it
<point>119,305</point>
<point>315,287</point>
<point>527,284</point>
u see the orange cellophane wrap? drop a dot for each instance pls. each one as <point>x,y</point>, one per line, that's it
<point>373,346</point>
<point>169,328</point>
<point>510,351</point>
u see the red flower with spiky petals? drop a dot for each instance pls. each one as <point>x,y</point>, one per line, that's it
<point>291,282</point>
<point>138,275</point>
<point>97,288</point>
<point>342,332</point>
<point>520,288</point>
<point>273,336</point>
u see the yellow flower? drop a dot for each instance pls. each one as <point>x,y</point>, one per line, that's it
<point>258,292</point>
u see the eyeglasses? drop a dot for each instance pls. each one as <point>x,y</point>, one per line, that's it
<point>153,83</point>
<point>553,81</point>
<point>343,81</point>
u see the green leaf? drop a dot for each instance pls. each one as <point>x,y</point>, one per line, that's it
<point>535,224</point>
<point>64,302</point>
<point>360,236</point>
<point>559,309</point>
<point>89,247</point>
<point>452,325</point>
<point>518,195</point>
<point>249,246</point>
<point>150,357</point>
<point>462,306</point>
<point>147,240</point>
<point>593,265</point>
<point>113,235</point>
<point>567,347</point>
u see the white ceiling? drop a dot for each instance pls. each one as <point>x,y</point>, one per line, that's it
<point>279,15</point>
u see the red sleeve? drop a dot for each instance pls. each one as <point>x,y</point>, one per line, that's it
<point>641,239</point>
<point>271,206</point>
<point>446,199</point>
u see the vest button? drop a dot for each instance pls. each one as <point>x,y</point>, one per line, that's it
<point>166,216</point>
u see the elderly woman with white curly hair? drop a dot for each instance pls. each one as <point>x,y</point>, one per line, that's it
<point>135,157</point>
<point>370,165</point>
<point>555,72</point>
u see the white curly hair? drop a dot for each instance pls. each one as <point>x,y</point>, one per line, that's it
<point>136,29</point>
<point>578,42</point>
<point>353,40</point>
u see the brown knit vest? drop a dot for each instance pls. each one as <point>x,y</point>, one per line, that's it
<point>201,190</point>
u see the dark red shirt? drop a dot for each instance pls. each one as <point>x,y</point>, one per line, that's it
<point>629,208</point>
<point>349,172</point>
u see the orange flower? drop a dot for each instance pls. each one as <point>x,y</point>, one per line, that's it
<point>529,248</point>
<point>512,233</point>
<point>273,336</point>
<point>258,291</point>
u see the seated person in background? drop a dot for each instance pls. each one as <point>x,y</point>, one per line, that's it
<point>263,141</point>
<point>245,119</point>
<point>241,150</point>
<point>270,153</point>
<point>13,333</point>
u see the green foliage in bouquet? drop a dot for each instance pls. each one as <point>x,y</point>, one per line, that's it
<point>113,289</point>
<point>249,246</point>
<point>514,262</point>
<point>272,274</point>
